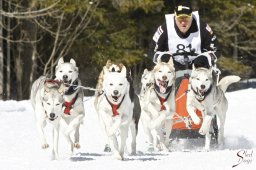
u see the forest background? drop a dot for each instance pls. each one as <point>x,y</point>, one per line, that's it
<point>34,34</point>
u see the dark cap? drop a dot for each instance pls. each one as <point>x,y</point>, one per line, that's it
<point>183,8</point>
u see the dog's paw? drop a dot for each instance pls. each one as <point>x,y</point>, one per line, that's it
<point>162,147</point>
<point>55,157</point>
<point>77,145</point>
<point>117,156</point>
<point>196,119</point>
<point>152,124</point>
<point>202,130</point>
<point>133,153</point>
<point>45,146</point>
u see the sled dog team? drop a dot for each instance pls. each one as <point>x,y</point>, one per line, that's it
<point>59,102</point>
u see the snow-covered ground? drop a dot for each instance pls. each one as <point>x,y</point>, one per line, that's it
<point>20,147</point>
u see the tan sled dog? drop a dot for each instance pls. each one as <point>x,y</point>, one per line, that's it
<point>210,99</point>
<point>159,106</point>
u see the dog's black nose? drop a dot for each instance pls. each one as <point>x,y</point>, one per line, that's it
<point>202,86</point>
<point>116,92</point>
<point>65,77</point>
<point>164,77</point>
<point>52,115</point>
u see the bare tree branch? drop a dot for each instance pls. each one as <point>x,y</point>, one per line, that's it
<point>30,14</point>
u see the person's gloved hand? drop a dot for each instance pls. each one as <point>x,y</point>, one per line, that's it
<point>206,60</point>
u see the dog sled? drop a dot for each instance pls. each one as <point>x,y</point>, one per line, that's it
<point>183,126</point>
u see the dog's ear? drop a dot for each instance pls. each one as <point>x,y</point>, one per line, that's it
<point>124,71</point>
<point>43,93</point>
<point>145,71</point>
<point>193,67</point>
<point>62,89</point>
<point>46,88</point>
<point>72,61</point>
<point>170,62</point>
<point>60,61</point>
<point>210,70</point>
<point>159,61</point>
<point>108,63</point>
<point>105,70</point>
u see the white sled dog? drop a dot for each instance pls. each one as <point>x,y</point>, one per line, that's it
<point>117,67</point>
<point>47,99</point>
<point>115,109</point>
<point>210,99</point>
<point>73,101</point>
<point>159,106</point>
<point>111,67</point>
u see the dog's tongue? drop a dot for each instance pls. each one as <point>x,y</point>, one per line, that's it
<point>162,89</point>
<point>201,92</point>
<point>115,98</point>
<point>162,86</point>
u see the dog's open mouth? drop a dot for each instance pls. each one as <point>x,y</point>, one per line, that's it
<point>67,83</point>
<point>115,98</point>
<point>162,85</point>
<point>201,91</point>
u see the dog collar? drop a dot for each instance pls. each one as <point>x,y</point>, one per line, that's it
<point>200,97</point>
<point>114,106</point>
<point>162,100</point>
<point>69,105</point>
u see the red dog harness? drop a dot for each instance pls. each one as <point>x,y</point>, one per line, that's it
<point>115,106</point>
<point>69,105</point>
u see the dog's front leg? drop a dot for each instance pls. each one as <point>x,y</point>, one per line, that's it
<point>207,141</point>
<point>123,135</point>
<point>114,127</point>
<point>63,127</point>
<point>114,146</point>
<point>74,123</point>
<point>110,131</point>
<point>168,129</point>
<point>161,146</point>
<point>40,128</point>
<point>145,119</point>
<point>221,116</point>
<point>157,116</point>
<point>205,130</point>
<point>155,139</point>
<point>157,121</point>
<point>134,134</point>
<point>104,133</point>
<point>77,137</point>
<point>191,109</point>
<point>55,154</point>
